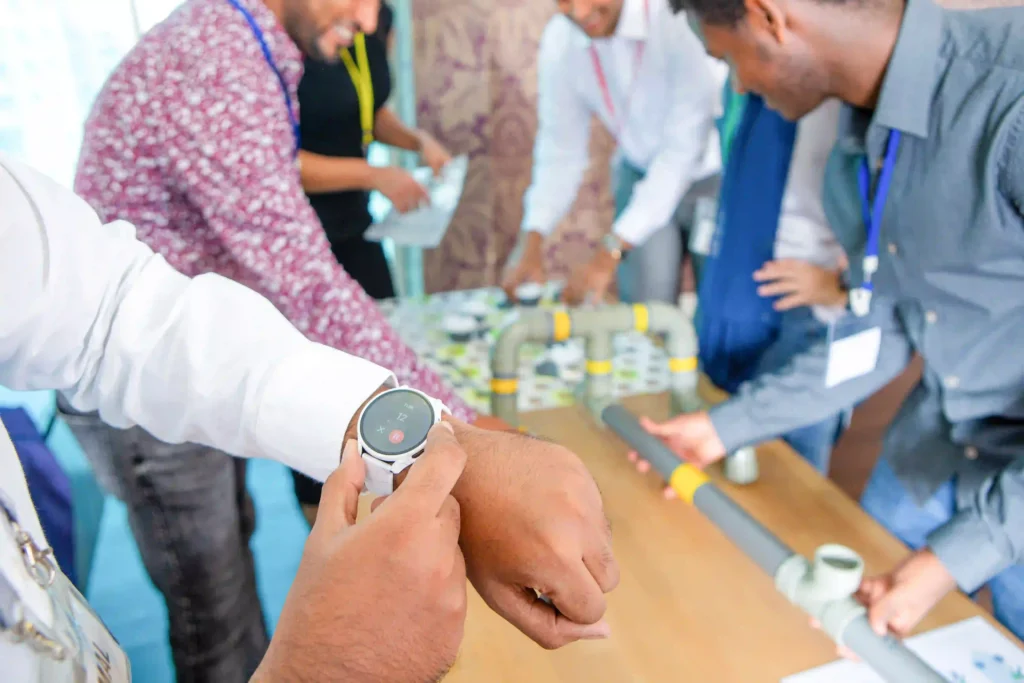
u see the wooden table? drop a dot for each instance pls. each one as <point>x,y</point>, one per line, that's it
<point>690,605</point>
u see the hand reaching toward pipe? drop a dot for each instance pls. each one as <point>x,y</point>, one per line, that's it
<point>691,436</point>
<point>898,601</point>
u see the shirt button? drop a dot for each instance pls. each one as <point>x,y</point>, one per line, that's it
<point>893,249</point>
<point>952,382</point>
<point>971,453</point>
<point>932,317</point>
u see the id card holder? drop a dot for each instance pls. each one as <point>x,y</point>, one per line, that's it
<point>705,220</point>
<point>853,347</point>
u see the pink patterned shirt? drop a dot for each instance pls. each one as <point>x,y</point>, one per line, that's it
<point>190,141</point>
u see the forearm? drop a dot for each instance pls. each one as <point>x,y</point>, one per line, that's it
<point>986,536</point>
<point>795,396</point>
<point>322,174</point>
<point>389,130</point>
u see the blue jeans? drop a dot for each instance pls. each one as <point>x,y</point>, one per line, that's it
<point>799,331</point>
<point>192,519</point>
<point>650,272</point>
<point>887,501</point>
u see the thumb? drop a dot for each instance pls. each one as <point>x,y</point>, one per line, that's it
<point>676,427</point>
<point>339,502</point>
<point>536,618</point>
<point>435,473</point>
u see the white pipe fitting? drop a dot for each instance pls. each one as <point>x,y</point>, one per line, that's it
<point>825,588</point>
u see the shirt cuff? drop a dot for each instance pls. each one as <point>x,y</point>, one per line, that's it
<point>965,547</point>
<point>735,426</point>
<point>308,402</point>
<point>633,227</point>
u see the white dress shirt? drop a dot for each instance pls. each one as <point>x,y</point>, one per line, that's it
<point>667,109</point>
<point>88,310</point>
<point>804,233</point>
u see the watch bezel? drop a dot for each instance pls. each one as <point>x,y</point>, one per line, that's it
<point>408,454</point>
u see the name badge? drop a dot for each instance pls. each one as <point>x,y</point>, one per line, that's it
<point>852,350</point>
<point>105,661</point>
<point>705,218</point>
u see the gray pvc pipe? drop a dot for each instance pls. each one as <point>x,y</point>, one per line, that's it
<point>889,657</point>
<point>759,543</point>
<point>654,451</point>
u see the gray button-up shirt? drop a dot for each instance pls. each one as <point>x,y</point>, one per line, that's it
<point>950,283</point>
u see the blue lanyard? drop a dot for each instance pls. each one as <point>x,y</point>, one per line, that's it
<point>860,298</point>
<point>258,32</point>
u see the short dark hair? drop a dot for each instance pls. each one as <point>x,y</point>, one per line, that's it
<point>719,12</point>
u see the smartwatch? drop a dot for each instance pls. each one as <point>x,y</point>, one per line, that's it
<point>392,432</point>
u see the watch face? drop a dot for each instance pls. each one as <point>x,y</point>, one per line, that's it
<point>396,422</point>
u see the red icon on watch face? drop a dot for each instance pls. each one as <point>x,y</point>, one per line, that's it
<point>397,436</point>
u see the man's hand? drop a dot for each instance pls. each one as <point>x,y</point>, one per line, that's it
<point>800,283</point>
<point>399,187</point>
<point>384,601</point>
<point>433,152</point>
<point>533,519</point>
<point>590,282</point>
<point>691,436</point>
<point>897,601</point>
<point>526,264</point>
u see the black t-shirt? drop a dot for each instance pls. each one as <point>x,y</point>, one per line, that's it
<point>329,111</point>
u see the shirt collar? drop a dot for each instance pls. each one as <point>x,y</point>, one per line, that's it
<point>912,75</point>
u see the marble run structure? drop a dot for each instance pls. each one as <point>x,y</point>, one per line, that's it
<point>597,326</point>
<point>823,587</point>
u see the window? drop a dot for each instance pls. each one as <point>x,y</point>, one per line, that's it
<point>54,57</point>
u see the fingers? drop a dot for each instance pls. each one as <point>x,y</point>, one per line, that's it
<point>790,302</point>
<point>874,595</point>
<point>539,620</point>
<point>778,288</point>
<point>433,476</point>
<point>577,595</point>
<point>339,502</point>
<point>600,560</point>
<point>376,503</point>
<point>665,429</point>
<point>780,268</point>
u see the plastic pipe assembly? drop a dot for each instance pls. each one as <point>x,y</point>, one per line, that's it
<point>823,587</point>
<point>597,326</point>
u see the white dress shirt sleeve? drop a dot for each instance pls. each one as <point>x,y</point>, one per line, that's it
<point>695,91</point>
<point>87,309</point>
<point>561,151</point>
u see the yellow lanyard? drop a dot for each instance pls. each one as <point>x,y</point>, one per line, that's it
<point>363,82</point>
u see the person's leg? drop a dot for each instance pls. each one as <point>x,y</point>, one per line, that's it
<point>366,263</point>
<point>698,205</point>
<point>798,331</point>
<point>893,507</point>
<point>650,272</point>
<point>191,518</point>
<point>1008,599</point>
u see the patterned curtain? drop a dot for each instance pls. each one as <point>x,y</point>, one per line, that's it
<point>476,87</point>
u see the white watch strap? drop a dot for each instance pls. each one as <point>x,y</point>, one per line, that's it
<point>379,479</point>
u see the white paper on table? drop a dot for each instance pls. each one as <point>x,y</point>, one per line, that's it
<point>971,651</point>
<point>425,227</point>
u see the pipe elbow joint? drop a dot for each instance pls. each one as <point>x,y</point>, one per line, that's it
<point>824,588</point>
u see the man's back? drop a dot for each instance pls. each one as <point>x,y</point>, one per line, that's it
<point>184,117</point>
